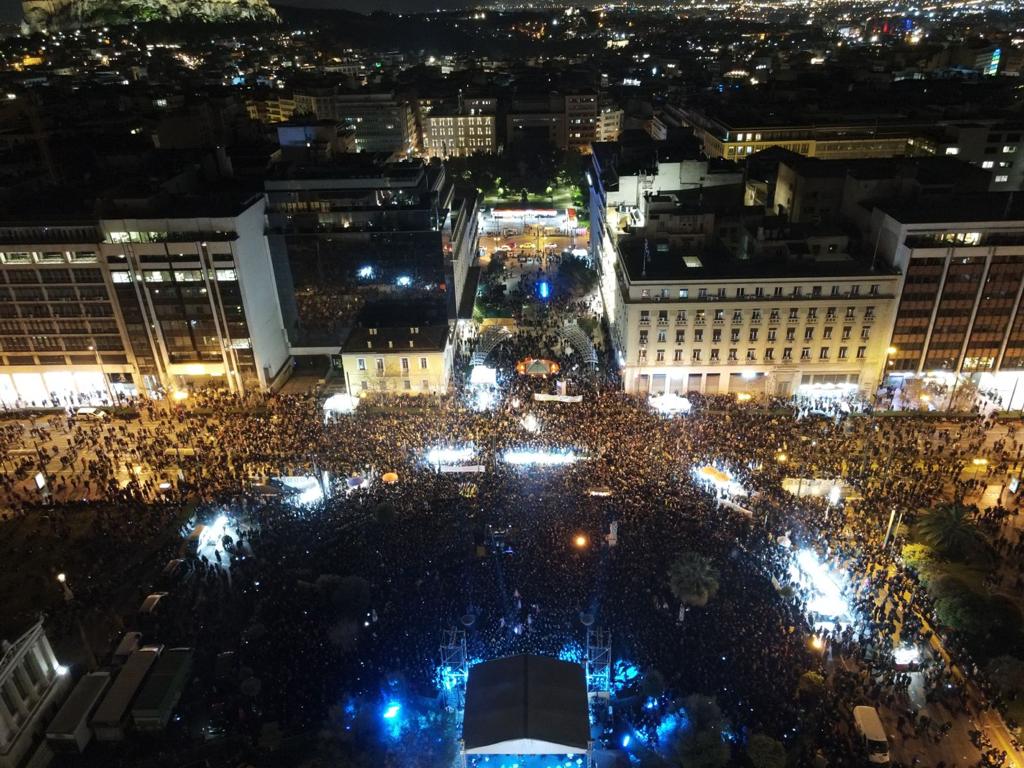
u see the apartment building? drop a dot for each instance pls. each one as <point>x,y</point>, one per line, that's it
<point>373,257</point>
<point>734,138</point>
<point>380,122</point>
<point>156,295</point>
<point>959,314</point>
<point>270,106</point>
<point>994,146</point>
<point>582,111</point>
<point>609,123</point>
<point>458,133</point>
<point>705,294</point>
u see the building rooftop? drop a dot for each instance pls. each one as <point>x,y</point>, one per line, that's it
<point>990,207</point>
<point>665,263</point>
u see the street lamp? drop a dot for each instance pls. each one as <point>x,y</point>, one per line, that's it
<point>94,348</point>
<point>69,597</point>
<point>580,541</point>
<point>781,458</point>
<point>889,352</point>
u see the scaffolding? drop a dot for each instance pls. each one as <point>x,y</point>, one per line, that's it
<point>454,670</point>
<point>599,663</point>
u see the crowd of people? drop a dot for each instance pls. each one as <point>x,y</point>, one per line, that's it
<point>346,597</point>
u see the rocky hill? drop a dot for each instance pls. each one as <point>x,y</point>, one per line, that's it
<point>64,14</point>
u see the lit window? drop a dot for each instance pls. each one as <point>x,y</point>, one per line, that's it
<point>224,275</point>
<point>1002,178</point>
<point>987,164</point>
<point>120,277</point>
<point>952,150</point>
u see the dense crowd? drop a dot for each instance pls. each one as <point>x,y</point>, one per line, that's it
<point>347,597</point>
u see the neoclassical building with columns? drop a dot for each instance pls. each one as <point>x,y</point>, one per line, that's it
<point>32,686</point>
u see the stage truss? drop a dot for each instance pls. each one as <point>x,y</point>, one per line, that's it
<point>599,663</point>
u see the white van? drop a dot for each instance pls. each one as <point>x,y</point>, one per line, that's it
<point>869,726</point>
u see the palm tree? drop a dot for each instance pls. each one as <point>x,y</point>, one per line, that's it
<point>693,579</point>
<point>949,530</point>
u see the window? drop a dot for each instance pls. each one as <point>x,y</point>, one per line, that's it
<point>695,355</point>
<point>855,290</point>
<point>953,150</point>
<point>741,293</point>
<point>869,313</point>
<point>787,353</point>
<point>771,334</point>
<point>645,317</point>
<point>732,354</point>
<point>862,352</point>
<point>677,356</point>
<point>423,363</point>
<point>777,292</point>
<point>850,313</point>
<point>680,336</point>
<point>826,333</point>
<point>987,164</point>
<point>188,276</point>
<point>406,385</point>
<point>865,333</point>
<point>737,316</point>
<point>642,355</point>
<point>681,316</point>
<point>226,275</point>
<point>1001,178</point>
<point>753,334</point>
<point>790,334</point>
<point>794,315</point>
<point>846,332</point>
<point>719,315</point>
<point>698,336</point>
<point>424,385</point>
<point>380,365</point>
<point>823,353</point>
<point>661,337</point>
<point>716,336</point>
<point>120,277</point>
<point>684,293</point>
<point>405,364</point>
<point>769,354</point>
<point>816,290</point>
<point>643,337</point>
<point>714,355</point>
<point>702,293</point>
<point>155,276</point>
<point>660,356</point>
<point>664,293</point>
<point>773,316</point>
<point>699,319</point>
<point>835,290</point>
<point>812,315</point>
<point>830,315</point>
<point>663,317</point>
<point>734,335</point>
<point>751,354</point>
<point>759,292</point>
<point>361,363</point>
<point>645,293</point>
<point>755,316</point>
<point>721,293</point>
<point>798,290</point>
<point>805,353</point>
<point>808,334</point>
<point>363,384</point>
<point>842,353</point>
<point>1009,149</point>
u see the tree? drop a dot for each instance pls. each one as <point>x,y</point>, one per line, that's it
<point>811,687</point>
<point>949,531</point>
<point>1007,675</point>
<point>766,752</point>
<point>693,579</point>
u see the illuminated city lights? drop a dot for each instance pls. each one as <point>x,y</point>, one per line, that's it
<point>525,457</point>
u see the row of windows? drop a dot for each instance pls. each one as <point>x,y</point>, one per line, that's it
<point>754,334</point>
<point>759,292</point>
<point>49,257</point>
<point>696,355</point>
<point>178,276</point>
<point>718,316</point>
<point>379,364</point>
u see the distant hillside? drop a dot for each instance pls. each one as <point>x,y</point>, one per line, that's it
<point>65,14</point>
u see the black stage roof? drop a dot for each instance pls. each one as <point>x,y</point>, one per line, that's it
<point>526,705</point>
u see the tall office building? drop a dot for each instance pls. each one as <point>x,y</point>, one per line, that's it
<point>373,259</point>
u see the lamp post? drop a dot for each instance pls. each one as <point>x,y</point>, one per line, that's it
<point>94,348</point>
<point>889,352</point>
<point>69,599</point>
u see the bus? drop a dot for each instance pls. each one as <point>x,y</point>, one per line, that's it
<point>869,726</point>
<point>111,719</point>
<point>69,730</point>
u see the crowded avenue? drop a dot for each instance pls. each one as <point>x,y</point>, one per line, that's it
<point>334,548</point>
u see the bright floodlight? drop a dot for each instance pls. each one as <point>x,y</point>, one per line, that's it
<point>670,404</point>
<point>60,669</point>
<point>391,710</point>
<point>906,655</point>
<point>365,273</point>
<point>483,399</point>
<point>835,493</point>
<point>403,281</point>
<point>449,455</point>
<point>180,395</point>
<point>483,375</point>
<point>308,490</point>
<point>720,479</point>
<point>826,598</point>
<point>580,541</point>
<point>530,423</point>
<point>539,458</point>
<point>340,402</point>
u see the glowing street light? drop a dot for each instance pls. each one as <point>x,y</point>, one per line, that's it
<point>180,394</point>
<point>580,541</point>
<point>781,458</point>
<point>743,397</point>
<point>62,577</point>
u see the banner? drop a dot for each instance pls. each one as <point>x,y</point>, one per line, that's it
<point>542,398</point>
<point>461,468</point>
